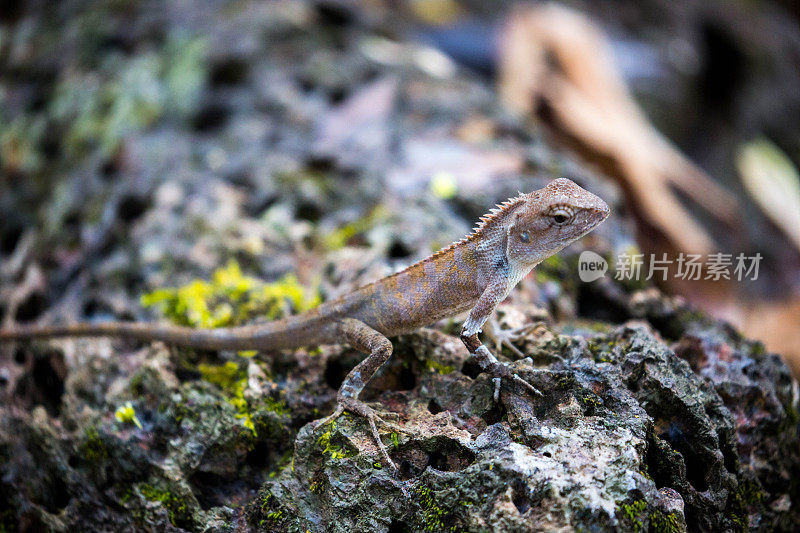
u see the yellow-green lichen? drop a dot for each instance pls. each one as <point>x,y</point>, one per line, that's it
<point>331,450</point>
<point>633,513</point>
<point>231,298</point>
<point>316,487</point>
<point>268,514</point>
<point>665,522</point>
<point>176,506</point>
<point>443,185</point>
<point>434,516</point>
<point>233,381</point>
<point>8,521</point>
<point>93,449</point>
<point>751,492</point>
<point>338,238</point>
<point>601,349</point>
<point>439,368</point>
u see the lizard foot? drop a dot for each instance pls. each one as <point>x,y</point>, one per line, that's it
<point>506,337</point>
<point>500,372</point>
<point>358,407</point>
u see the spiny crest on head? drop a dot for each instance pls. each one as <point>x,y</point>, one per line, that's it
<point>485,221</point>
<point>498,211</point>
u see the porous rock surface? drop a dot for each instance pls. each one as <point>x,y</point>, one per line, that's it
<point>283,135</point>
<point>632,433</point>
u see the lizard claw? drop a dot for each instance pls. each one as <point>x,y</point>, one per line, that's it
<point>530,387</point>
<point>505,337</point>
<point>358,407</point>
<point>501,371</point>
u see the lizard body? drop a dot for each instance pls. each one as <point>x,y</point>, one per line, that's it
<point>474,274</point>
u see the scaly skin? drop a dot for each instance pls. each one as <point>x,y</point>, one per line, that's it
<point>475,274</point>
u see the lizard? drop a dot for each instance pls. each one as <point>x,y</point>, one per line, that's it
<point>473,274</point>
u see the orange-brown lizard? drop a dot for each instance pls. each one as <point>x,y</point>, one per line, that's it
<point>474,274</point>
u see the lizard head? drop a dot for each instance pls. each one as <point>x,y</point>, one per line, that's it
<point>551,218</point>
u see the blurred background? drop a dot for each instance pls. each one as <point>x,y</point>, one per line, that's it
<point>145,144</point>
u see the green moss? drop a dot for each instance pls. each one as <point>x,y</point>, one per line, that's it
<point>231,298</point>
<point>267,514</point>
<point>632,513</point>
<point>226,376</point>
<point>751,492</point>
<point>758,350</point>
<point>278,406</point>
<point>592,402</point>
<point>340,237</point>
<point>636,516</point>
<point>98,109</point>
<point>8,521</point>
<point>434,517</point>
<point>665,522</point>
<point>176,506</point>
<point>328,448</point>
<point>439,368</point>
<point>233,381</point>
<point>316,487</point>
<point>791,414</point>
<point>566,382</point>
<point>747,494</point>
<point>93,449</point>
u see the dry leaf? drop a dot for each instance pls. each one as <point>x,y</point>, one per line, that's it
<point>773,183</point>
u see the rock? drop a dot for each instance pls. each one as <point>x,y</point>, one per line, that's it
<point>627,436</point>
<point>653,416</point>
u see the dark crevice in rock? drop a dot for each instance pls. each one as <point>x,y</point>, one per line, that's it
<point>471,368</point>
<point>495,414</point>
<point>48,382</point>
<point>594,304</point>
<point>398,526</point>
<point>212,490</point>
<point>660,465</point>
<point>44,383</point>
<point>521,496</point>
<point>230,72</point>
<point>434,407</point>
<point>132,207</point>
<point>407,378</point>
<point>211,118</point>
<point>10,238</point>
<point>31,308</point>
<point>337,369</point>
<point>440,453</point>
<point>308,211</point>
<point>398,250</point>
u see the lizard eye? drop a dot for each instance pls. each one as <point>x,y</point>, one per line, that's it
<point>561,216</point>
<point>525,236</point>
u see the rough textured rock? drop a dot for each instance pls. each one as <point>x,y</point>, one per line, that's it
<point>630,434</point>
<point>626,436</point>
<point>653,416</point>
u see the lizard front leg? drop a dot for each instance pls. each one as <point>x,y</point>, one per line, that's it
<point>366,340</point>
<point>484,307</point>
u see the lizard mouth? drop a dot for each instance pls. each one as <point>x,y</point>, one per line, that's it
<point>600,213</point>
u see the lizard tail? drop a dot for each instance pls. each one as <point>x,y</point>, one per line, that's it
<point>288,333</point>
